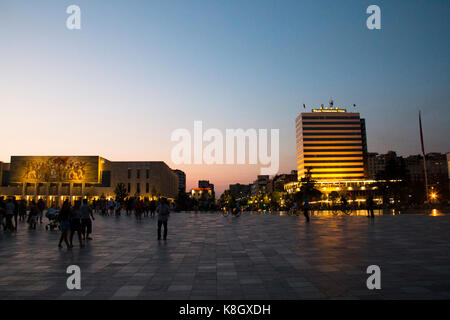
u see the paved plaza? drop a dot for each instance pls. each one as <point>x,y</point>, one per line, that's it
<point>255,256</point>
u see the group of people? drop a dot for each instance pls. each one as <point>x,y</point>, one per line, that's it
<point>306,208</point>
<point>370,205</point>
<point>13,211</point>
<point>77,218</point>
<point>131,205</point>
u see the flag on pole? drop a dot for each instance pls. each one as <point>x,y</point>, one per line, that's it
<point>424,157</point>
<point>421,134</point>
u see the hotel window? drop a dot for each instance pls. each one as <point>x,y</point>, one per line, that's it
<point>147,188</point>
<point>138,187</point>
<point>129,187</point>
<point>147,173</point>
<point>129,173</point>
<point>138,173</point>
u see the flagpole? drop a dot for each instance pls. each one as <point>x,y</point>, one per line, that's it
<point>424,157</point>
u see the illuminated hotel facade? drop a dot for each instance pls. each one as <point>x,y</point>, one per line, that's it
<point>330,143</point>
<point>57,178</point>
<point>332,146</point>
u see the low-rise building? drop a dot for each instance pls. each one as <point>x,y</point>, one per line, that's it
<point>240,191</point>
<point>201,193</point>
<point>259,185</point>
<point>277,182</point>
<point>57,178</point>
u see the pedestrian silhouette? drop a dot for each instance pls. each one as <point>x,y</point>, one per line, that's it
<point>163,216</point>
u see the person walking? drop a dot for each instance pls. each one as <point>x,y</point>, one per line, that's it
<point>128,206</point>
<point>64,224</point>
<point>16,213</point>
<point>22,210</point>
<point>111,207</point>
<point>369,206</point>
<point>2,212</point>
<point>139,208</point>
<point>152,208</point>
<point>33,215</point>
<point>146,207</point>
<point>86,222</point>
<point>118,208</point>
<point>75,224</point>
<point>41,208</point>
<point>163,215</point>
<point>9,214</point>
<point>294,208</point>
<point>306,208</point>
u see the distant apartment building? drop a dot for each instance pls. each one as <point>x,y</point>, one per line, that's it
<point>278,182</point>
<point>437,167</point>
<point>239,191</point>
<point>331,143</point>
<point>376,163</point>
<point>371,165</point>
<point>181,181</point>
<point>57,178</point>
<point>448,164</point>
<point>259,185</point>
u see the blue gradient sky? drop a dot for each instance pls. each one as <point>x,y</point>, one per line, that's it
<point>137,70</point>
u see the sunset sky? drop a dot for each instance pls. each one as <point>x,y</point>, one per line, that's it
<point>138,70</point>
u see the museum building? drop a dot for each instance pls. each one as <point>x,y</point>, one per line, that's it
<point>57,178</point>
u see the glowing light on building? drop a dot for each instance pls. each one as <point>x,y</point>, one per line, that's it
<point>331,144</point>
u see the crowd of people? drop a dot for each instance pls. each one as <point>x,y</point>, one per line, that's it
<point>13,211</point>
<point>77,218</point>
<point>140,207</point>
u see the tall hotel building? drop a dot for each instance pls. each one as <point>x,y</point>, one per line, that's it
<point>331,142</point>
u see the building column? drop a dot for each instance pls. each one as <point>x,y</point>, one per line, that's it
<point>58,201</point>
<point>24,186</point>
<point>82,190</point>
<point>35,191</point>
<point>47,193</point>
<point>70,193</point>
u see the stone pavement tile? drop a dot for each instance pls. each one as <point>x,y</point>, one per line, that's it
<point>179,287</point>
<point>128,291</point>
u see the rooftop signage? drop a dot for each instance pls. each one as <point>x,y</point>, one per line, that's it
<point>331,109</point>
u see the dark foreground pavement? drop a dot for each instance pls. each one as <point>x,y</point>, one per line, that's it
<point>208,256</point>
